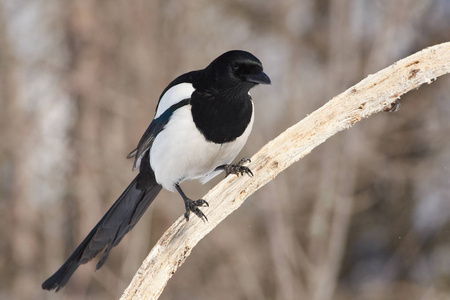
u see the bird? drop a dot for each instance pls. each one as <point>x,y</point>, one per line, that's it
<point>202,121</point>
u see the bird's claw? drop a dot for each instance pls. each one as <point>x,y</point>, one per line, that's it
<point>238,168</point>
<point>244,160</point>
<point>392,107</point>
<point>192,206</point>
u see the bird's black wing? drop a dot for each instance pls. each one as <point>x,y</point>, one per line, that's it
<point>155,127</point>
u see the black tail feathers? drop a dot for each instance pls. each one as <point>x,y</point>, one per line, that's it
<point>117,222</point>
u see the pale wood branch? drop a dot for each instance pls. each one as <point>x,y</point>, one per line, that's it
<point>375,93</point>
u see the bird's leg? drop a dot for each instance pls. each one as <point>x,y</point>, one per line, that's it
<point>237,168</point>
<point>192,206</point>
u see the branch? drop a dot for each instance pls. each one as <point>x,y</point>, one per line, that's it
<point>375,93</point>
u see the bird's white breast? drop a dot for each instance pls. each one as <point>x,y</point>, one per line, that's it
<point>180,152</point>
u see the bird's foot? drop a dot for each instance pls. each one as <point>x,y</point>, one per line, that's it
<point>393,107</point>
<point>238,168</point>
<point>192,206</point>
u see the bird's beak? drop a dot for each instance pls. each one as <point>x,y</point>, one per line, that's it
<point>261,78</point>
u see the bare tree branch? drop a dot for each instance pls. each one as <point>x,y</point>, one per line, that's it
<point>375,93</point>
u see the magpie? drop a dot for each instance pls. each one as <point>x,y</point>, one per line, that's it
<point>202,121</point>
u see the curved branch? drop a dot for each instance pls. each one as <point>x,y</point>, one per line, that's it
<point>375,93</point>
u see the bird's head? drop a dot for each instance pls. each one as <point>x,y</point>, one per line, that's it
<point>236,69</point>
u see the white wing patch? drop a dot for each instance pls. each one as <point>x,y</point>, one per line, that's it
<point>174,95</point>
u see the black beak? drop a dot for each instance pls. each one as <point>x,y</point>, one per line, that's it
<point>261,78</point>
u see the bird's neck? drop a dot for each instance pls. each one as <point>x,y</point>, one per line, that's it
<point>221,115</point>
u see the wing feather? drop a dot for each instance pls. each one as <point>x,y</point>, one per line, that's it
<point>155,127</point>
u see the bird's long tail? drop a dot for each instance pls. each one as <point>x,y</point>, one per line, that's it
<point>117,222</point>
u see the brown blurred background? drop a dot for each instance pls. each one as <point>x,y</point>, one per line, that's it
<point>365,216</point>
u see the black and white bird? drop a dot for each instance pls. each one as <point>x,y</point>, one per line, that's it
<point>202,121</point>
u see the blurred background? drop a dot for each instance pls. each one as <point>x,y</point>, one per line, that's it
<point>365,216</point>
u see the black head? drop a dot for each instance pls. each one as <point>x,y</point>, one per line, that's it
<point>236,69</point>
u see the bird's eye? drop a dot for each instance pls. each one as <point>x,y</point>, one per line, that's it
<point>235,66</point>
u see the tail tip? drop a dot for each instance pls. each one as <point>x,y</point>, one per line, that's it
<point>49,286</point>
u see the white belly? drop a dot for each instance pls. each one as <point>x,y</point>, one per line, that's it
<point>180,152</point>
